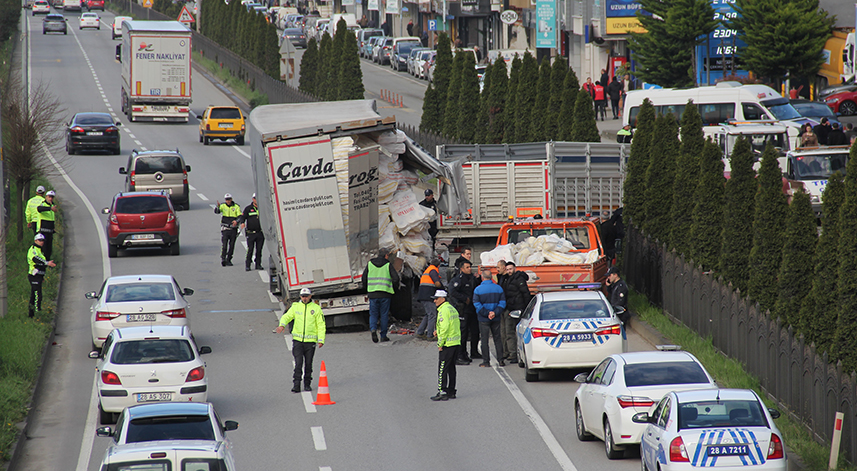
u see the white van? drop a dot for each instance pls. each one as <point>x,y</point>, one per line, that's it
<point>71,5</point>
<point>117,25</point>
<point>169,455</point>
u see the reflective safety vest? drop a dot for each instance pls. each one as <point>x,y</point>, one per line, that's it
<point>379,279</point>
<point>31,213</point>
<point>230,211</point>
<point>448,326</point>
<point>45,218</point>
<point>309,322</point>
<point>426,278</point>
<point>36,260</point>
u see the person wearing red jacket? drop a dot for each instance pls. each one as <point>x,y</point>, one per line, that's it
<point>600,101</point>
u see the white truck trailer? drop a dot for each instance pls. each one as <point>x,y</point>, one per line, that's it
<point>156,71</point>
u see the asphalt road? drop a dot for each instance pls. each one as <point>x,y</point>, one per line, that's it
<point>383,418</point>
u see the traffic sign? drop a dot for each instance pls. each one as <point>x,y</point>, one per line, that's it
<point>185,16</point>
<point>147,3</point>
<point>432,25</point>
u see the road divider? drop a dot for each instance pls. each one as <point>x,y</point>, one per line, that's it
<point>393,98</point>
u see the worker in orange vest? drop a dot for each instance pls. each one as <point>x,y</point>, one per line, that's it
<point>429,283</point>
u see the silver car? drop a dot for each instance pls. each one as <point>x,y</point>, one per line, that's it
<point>158,170</point>
<point>412,59</point>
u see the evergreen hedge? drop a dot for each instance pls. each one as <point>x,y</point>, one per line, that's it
<point>638,163</point>
<point>659,176</point>
<point>565,118</point>
<point>687,180</point>
<point>497,99</point>
<point>707,222</point>
<point>468,99</point>
<point>450,115</point>
<point>512,100</point>
<point>737,217</point>
<point>541,109</point>
<point>845,342</point>
<point>801,238</point>
<point>526,97</point>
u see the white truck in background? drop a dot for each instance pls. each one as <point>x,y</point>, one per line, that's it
<point>318,197</point>
<point>809,168</point>
<point>156,71</point>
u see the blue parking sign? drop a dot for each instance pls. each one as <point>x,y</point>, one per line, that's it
<point>432,25</point>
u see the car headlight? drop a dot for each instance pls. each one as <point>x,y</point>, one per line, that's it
<point>832,100</point>
<point>814,199</point>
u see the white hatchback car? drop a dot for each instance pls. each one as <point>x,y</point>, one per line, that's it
<point>166,455</point>
<point>126,301</point>
<point>169,421</point>
<point>41,6</point>
<point>139,365</point>
<point>117,25</point>
<point>625,384</point>
<point>90,20</point>
<point>724,429</point>
<point>567,329</point>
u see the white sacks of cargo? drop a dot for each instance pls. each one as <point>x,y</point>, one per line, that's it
<point>538,250</point>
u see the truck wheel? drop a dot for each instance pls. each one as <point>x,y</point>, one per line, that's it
<point>105,418</point>
<point>175,249</point>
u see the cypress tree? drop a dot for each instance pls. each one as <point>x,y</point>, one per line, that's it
<point>707,221</point>
<point>687,180</point>
<point>245,36</point>
<point>326,64</point>
<point>585,129</point>
<point>737,225</point>
<point>820,309</point>
<point>335,71</point>
<point>512,101</point>
<point>565,119</point>
<point>638,163</point>
<point>770,219</point>
<point>541,109</point>
<point>558,72</point>
<point>526,97</point>
<point>450,115</point>
<point>659,176</point>
<point>796,268</point>
<point>309,68</point>
<point>845,342</point>
<point>481,132</point>
<point>441,77</point>
<point>497,102</point>
<point>233,37</point>
<point>350,73</point>
<point>258,44</point>
<point>430,118</point>
<point>271,59</point>
<point>468,100</point>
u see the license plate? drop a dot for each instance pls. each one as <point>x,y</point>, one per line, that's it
<point>728,450</point>
<point>160,108</point>
<point>95,133</point>
<point>142,236</point>
<point>224,125</point>
<point>585,337</point>
<point>154,397</point>
<point>140,318</point>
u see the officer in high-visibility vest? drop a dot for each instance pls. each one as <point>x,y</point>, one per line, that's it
<point>47,219</point>
<point>448,341</point>
<point>36,275</point>
<point>229,211</point>
<point>308,329</point>
<point>249,220</point>
<point>30,214</point>
<point>380,280</point>
<point>429,283</point>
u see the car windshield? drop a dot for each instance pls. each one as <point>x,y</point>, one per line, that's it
<point>573,309</point>
<point>819,166</point>
<point>182,427</point>
<point>225,113</point>
<point>142,205</point>
<point>138,352</point>
<point>813,109</point>
<point>718,413</point>
<point>782,109</point>
<point>94,119</point>
<point>759,141</point>
<point>663,373</point>
<point>54,18</point>
<point>158,163</point>
<point>290,31</point>
<point>134,292</point>
<point>405,48</point>
<point>147,465</point>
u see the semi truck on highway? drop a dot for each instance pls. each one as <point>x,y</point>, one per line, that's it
<point>156,70</point>
<point>317,174</point>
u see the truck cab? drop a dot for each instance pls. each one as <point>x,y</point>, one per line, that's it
<point>727,134</point>
<point>808,169</point>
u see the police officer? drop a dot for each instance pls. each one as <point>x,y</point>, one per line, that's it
<point>308,329</point>
<point>229,211</point>
<point>46,211</point>
<point>38,263</point>
<point>448,341</point>
<point>617,293</point>
<point>431,203</point>
<point>31,214</point>
<point>461,297</point>
<point>249,221</point>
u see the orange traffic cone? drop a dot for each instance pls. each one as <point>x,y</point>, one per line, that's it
<point>323,396</point>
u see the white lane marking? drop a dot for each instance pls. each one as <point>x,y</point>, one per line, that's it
<point>143,148</point>
<point>241,151</point>
<point>274,299</point>
<point>138,142</point>
<point>193,188</point>
<point>131,134</point>
<point>318,438</point>
<point>202,197</point>
<point>325,468</point>
<point>308,405</point>
<point>541,427</point>
<point>88,438</point>
<point>264,276</point>
<point>288,339</point>
<point>244,243</point>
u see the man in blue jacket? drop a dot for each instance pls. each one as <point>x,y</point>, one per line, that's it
<point>489,301</point>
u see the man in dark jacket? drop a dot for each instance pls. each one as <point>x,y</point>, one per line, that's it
<point>617,293</point>
<point>837,137</point>
<point>461,297</point>
<point>379,280</point>
<point>821,130</point>
<point>517,298</point>
<point>490,302</point>
<point>615,91</point>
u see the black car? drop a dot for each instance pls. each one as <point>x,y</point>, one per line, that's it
<point>92,131</point>
<point>814,110</point>
<point>54,23</point>
<point>846,86</point>
<point>296,36</point>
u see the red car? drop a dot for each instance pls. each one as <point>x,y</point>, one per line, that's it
<point>844,103</point>
<point>142,219</point>
<point>95,5</point>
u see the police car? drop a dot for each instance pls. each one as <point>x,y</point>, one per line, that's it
<point>574,328</point>
<point>724,429</point>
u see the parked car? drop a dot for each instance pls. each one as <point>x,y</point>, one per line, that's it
<point>117,25</point>
<point>625,384</point>
<point>844,103</point>
<point>90,20</point>
<point>320,28</point>
<point>421,63</point>
<point>814,110</point>
<point>296,36</point>
<point>158,170</point>
<point>169,454</point>
<point>90,131</point>
<point>143,364</point>
<point>54,23</point>
<point>363,37</point>
<point>369,46</point>
<point>95,5</point>
<point>849,85</point>
<point>142,219</point>
<point>169,421</point>
<point>221,122</point>
<point>412,59</point>
<point>131,300</point>
<point>382,51</point>
<point>400,51</point>
<point>41,6</point>
<point>717,428</point>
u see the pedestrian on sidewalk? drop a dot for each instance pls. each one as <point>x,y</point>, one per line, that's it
<point>379,280</point>
<point>489,301</point>
<point>448,341</point>
<point>308,330</point>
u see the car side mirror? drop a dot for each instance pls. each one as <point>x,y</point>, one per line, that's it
<point>187,168</point>
<point>516,314</point>
<point>94,354</point>
<point>122,171</point>
<point>187,292</point>
<point>105,210</point>
<point>205,349</point>
<point>641,418</point>
<point>581,378</point>
<point>230,425</point>
<point>91,294</point>
<point>104,432</point>
<point>775,414</point>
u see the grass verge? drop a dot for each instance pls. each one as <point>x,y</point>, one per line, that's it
<point>731,374</point>
<point>240,87</point>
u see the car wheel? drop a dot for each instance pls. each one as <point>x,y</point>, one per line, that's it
<point>579,426</point>
<point>106,418</point>
<point>65,32</point>
<point>240,141</point>
<point>69,149</point>
<point>44,32</point>
<point>117,150</point>
<point>112,250</point>
<point>609,445</point>
<point>200,137</point>
<point>530,375</point>
<point>205,140</point>
<point>175,249</point>
<point>847,108</point>
<point>98,27</point>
